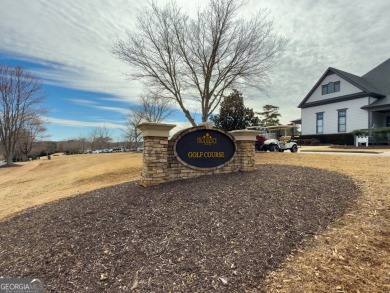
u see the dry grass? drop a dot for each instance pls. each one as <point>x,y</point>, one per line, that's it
<point>39,182</point>
<point>352,255</point>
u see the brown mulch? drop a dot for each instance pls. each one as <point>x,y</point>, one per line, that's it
<point>219,233</point>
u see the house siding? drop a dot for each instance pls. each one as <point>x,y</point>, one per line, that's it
<point>356,117</point>
<point>346,88</point>
<point>355,92</point>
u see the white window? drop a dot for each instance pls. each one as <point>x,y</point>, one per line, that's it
<point>320,123</point>
<point>331,87</point>
<point>342,120</point>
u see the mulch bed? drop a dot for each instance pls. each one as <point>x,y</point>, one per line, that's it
<point>219,233</point>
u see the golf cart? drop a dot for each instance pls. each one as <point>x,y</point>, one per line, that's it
<point>276,138</point>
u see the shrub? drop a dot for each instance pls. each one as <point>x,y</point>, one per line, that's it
<point>377,135</point>
<point>360,132</point>
<point>381,130</point>
<point>315,141</point>
<point>336,138</point>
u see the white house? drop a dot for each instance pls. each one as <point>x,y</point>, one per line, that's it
<point>342,102</point>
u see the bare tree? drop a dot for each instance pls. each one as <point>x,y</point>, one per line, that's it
<point>82,143</point>
<point>154,107</point>
<point>100,138</point>
<point>201,58</point>
<point>21,98</point>
<point>76,145</point>
<point>68,147</point>
<point>133,120</point>
<point>29,135</point>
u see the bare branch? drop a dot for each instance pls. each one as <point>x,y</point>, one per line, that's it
<point>201,58</point>
<point>21,98</point>
<point>153,108</point>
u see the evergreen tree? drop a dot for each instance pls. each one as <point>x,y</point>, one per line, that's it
<point>233,115</point>
<point>269,116</point>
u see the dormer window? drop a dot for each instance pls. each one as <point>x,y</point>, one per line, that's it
<point>331,87</point>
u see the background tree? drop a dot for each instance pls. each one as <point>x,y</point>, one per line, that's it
<point>233,115</point>
<point>51,147</point>
<point>21,99</point>
<point>269,116</point>
<point>72,146</point>
<point>29,135</point>
<point>133,134</point>
<point>201,58</point>
<point>82,143</point>
<point>152,108</point>
<point>100,138</point>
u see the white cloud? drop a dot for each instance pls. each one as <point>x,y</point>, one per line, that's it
<point>73,38</point>
<point>94,104</point>
<point>83,102</point>
<point>350,37</point>
<point>123,111</point>
<point>77,123</point>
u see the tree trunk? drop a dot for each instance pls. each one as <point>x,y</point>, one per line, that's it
<point>188,116</point>
<point>8,160</point>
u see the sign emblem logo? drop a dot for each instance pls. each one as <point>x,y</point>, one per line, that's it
<point>206,139</point>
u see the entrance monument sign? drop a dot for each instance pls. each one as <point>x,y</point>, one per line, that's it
<point>192,152</point>
<point>204,148</point>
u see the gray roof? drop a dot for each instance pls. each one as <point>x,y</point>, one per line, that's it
<point>380,77</point>
<point>297,121</point>
<point>383,103</point>
<point>360,82</point>
<point>375,83</point>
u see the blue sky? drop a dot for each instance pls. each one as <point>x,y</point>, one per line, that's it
<point>67,45</point>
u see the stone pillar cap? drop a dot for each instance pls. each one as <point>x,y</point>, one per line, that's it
<point>155,129</point>
<point>207,125</point>
<point>244,134</point>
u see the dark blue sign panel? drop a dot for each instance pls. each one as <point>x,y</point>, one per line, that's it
<point>205,148</point>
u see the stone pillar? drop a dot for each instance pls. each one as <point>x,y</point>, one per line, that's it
<point>155,155</point>
<point>245,140</point>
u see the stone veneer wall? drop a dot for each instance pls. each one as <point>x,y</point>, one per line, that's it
<point>155,167</point>
<point>161,164</point>
<point>246,155</point>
